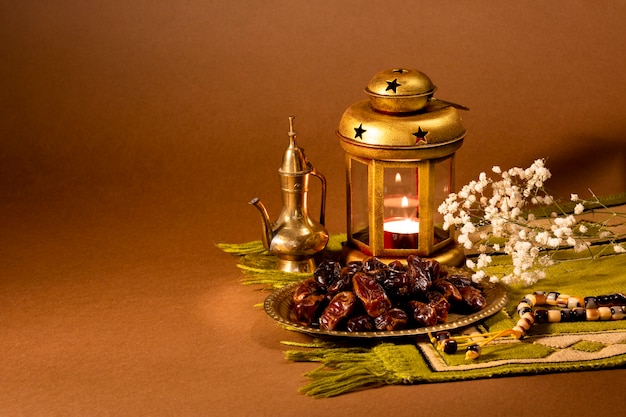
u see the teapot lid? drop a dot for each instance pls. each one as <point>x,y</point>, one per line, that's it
<point>294,160</point>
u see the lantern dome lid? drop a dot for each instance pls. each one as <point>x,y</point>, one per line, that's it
<point>400,90</point>
<point>401,119</point>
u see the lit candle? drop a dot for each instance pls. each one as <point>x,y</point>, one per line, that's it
<point>401,233</point>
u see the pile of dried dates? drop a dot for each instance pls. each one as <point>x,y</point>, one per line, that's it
<point>371,295</point>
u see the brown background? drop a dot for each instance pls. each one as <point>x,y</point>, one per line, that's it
<point>133,134</point>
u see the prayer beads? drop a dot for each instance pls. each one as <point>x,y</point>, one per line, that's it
<point>602,307</point>
<point>537,308</point>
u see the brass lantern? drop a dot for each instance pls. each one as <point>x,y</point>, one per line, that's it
<point>400,149</point>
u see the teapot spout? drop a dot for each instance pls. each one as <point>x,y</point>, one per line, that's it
<point>267,226</point>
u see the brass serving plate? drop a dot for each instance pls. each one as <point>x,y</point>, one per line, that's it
<point>278,306</point>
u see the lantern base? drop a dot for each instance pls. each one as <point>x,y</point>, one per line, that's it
<point>452,255</point>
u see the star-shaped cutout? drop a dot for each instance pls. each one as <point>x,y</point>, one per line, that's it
<point>420,135</point>
<point>359,131</point>
<point>399,71</point>
<point>392,85</point>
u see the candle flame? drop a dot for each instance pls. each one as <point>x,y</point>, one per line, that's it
<point>405,202</point>
<point>398,178</point>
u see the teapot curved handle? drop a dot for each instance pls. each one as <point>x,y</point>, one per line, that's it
<point>323,203</point>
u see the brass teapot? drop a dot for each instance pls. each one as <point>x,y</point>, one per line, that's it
<point>294,238</point>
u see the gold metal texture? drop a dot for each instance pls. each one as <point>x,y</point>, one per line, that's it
<point>400,90</point>
<point>294,160</point>
<point>435,132</point>
<point>450,255</point>
<point>295,237</point>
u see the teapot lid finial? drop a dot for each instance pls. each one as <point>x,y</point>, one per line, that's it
<point>294,160</point>
<point>291,132</point>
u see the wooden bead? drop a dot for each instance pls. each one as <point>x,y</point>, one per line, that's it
<point>562,300</point>
<point>523,307</point>
<point>530,299</point>
<point>574,302</point>
<point>529,316</point>
<point>554,316</point>
<point>551,298</point>
<point>524,324</point>
<point>592,314</point>
<point>448,346</point>
<point>472,352</point>
<point>541,315</point>
<point>540,298</point>
<point>590,302</point>
<point>618,313</point>
<point>578,314</point>
<point>519,332</point>
<point>443,335</point>
<point>605,313</point>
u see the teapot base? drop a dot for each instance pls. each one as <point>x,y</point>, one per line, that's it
<point>306,265</point>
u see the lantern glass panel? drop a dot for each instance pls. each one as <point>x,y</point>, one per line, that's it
<point>443,187</point>
<point>359,201</point>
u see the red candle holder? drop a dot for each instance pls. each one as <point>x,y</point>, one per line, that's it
<point>401,233</point>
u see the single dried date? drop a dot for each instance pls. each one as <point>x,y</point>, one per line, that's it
<point>372,263</point>
<point>326,274</point>
<point>360,323</point>
<point>449,291</point>
<point>473,298</point>
<point>339,308</point>
<point>307,287</point>
<point>421,274</point>
<point>421,313</point>
<point>393,319</point>
<point>306,311</point>
<point>441,305</point>
<point>371,293</point>
<point>397,283</point>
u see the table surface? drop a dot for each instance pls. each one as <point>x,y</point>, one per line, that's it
<point>120,304</point>
<point>133,135</point>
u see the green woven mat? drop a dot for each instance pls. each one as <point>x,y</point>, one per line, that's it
<point>348,365</point>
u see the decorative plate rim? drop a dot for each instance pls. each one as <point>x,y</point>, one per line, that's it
<point>494,293</point>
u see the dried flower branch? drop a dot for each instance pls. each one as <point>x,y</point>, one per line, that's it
<point>515,215</point>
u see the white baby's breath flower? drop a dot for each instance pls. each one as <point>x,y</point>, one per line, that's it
<point>619,249</point>
<point>501,206</point>
<point>554,242</point>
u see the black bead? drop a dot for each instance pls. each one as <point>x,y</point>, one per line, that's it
<point>441,336</point>
<point>603,300</point>
<point>590,302</point>
<point>449,346</point>
<point>566,315</point>
<point>541,315</point>
<point>578,314</point>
